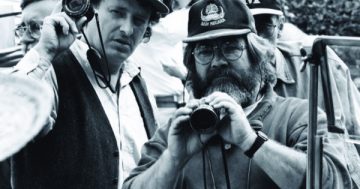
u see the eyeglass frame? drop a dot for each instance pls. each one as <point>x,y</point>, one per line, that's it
<point>23,28</point>
<point>242,47</point>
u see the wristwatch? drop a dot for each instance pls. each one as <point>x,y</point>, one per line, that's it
<point>259,141</point>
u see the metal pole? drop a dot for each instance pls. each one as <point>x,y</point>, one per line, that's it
<point>313,97</point>
<point>315,148</point>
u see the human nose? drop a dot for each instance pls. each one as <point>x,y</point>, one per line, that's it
<point>127,27</point>
<point>219,60</point>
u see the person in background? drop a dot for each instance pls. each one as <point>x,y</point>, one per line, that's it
<point>101,114</point>
<point>261,140</point>
<point>28,34</point>
<point>33,14</point>
<point>291,82</point>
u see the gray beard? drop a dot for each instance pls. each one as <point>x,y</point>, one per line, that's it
<point>230,87</point>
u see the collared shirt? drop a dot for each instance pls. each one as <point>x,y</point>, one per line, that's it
<point>121,108</point>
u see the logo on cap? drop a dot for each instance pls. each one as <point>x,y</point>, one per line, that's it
<point>253,2</point>
<point>212,15</point>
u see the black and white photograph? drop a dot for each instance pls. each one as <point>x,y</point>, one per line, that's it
<point>179,94</point>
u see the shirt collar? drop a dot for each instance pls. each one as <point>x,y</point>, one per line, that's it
<point>130,70</point>
<point>282,69</point>
<point>251,108</point>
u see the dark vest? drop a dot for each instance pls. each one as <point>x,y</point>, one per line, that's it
<point>80,152</point>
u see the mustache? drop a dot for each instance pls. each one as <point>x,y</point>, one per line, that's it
<point>124,39</point>
<point>224,75</point>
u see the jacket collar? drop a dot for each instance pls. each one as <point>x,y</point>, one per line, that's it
<point>282,69</point>
<point>264,107</point>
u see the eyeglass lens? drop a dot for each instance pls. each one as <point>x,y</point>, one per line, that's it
<point>230,50</point>
<point>33,28</point>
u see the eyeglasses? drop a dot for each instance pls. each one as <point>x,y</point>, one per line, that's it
<point>33,28</point>
<point>230,50</point>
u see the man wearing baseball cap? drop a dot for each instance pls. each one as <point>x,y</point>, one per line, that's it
<point>269,21</point>
<point>101,114</point>
<point>260,140</point>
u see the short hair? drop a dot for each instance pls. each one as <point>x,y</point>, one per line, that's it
<point>154,17</point>
<point>260,51</point>
<point>25,3</point>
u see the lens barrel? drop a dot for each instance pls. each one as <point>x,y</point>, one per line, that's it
<point>204,119</point>
<point>78,8</point>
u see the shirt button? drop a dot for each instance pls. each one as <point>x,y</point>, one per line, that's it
<point>115,181</point>
<point>116,153</point>
<point>227,146</point>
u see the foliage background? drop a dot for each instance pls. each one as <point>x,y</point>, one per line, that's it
<point>324,17</point>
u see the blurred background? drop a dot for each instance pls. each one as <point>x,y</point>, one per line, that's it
<point>313,17</point>
<point>325,17</point>
<point>329,17</point>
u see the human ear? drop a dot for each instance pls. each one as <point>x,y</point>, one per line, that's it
<point>147,35</point>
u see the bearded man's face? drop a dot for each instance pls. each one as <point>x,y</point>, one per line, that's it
<point>242,85</point>
<point>224,65</point>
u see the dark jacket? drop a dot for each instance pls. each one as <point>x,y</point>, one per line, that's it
<point>81,150</point>
<point>285,120</point>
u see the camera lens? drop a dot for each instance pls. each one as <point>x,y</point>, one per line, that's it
<point>204,119</point>
<point>75,5</point>
<point>78,8</point>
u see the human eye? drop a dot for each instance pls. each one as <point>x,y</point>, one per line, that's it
<point>139,21</point>
<point>203,50</point>
<point>117,13</point>
<point>34,26</point>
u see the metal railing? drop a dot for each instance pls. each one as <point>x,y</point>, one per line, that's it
<point>318,58</point>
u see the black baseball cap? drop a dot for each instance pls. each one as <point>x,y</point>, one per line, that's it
<point>209,19</point>
<point>264,7</point>
<point>159,6</point>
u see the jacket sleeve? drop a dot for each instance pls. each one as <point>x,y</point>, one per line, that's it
<point>334,170</point>
<point>32,65</point>
<point>150,153</point>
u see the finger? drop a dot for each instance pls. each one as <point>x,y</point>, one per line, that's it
<point>58,23</point>
<point>81,22</point>
<point>57,8</point>
<point>182,111</point>
<point>177,123</point>
<point>71,22</point>
<point>230,108</point>
<point>213,95</point>
<point>224,104</point>
<point>193,103</point>
<point>219,97</point>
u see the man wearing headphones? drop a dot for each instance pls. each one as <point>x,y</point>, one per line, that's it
<point>261,138</point>
<point>101,113</point>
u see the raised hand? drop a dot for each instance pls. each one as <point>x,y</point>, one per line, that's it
<point>183,142</point>
<point>58,33</point>
<point>234,128</point>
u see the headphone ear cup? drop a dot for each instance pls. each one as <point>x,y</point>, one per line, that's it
<point>94,59</point>
<point>90,13</point>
